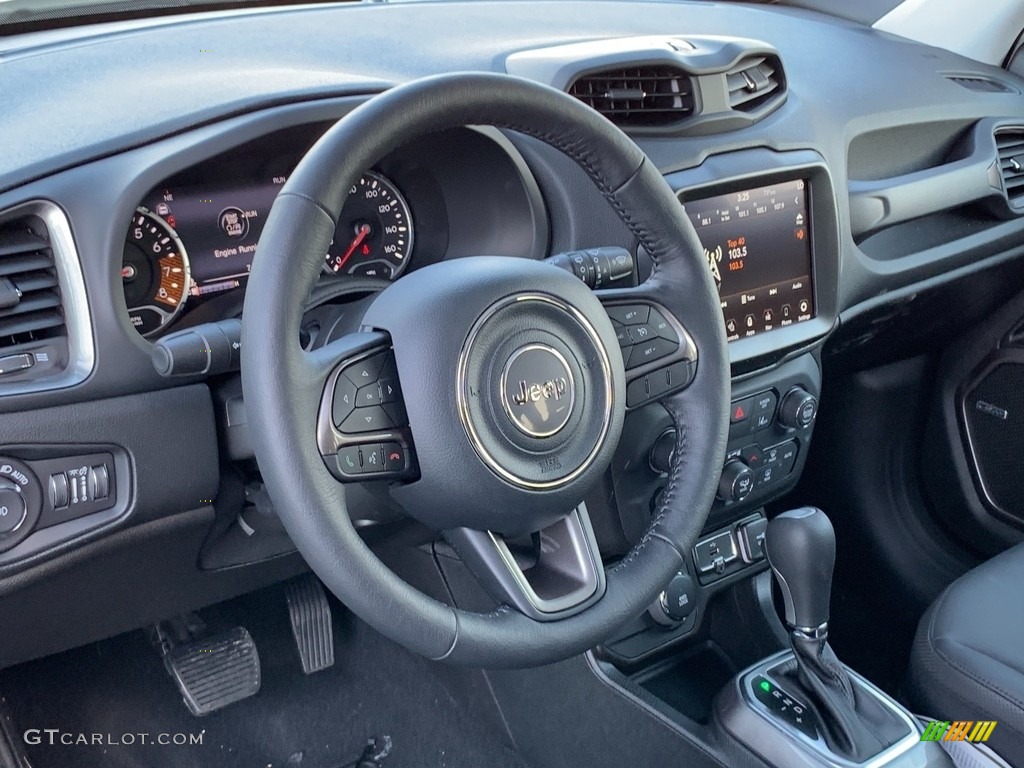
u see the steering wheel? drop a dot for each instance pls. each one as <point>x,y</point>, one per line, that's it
<point>495,390</point>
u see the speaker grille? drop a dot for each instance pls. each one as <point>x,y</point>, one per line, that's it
<point>993,410</point>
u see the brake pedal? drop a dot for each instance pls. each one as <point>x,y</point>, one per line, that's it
<point>310,614</point>
<point>215,671</point>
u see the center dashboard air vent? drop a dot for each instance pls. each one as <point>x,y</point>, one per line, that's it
<point>45,337</point>
<point>753,81</point>
<point>1010,146</point>
<point>664,85</point>
<point>642,96</point>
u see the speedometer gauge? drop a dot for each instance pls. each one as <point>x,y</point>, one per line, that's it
<point>374,235</point>
<point>154,272</point>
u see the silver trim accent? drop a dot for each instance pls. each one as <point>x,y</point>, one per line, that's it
<point>74,300</point>
<point>582,555</point>
<point>462,395</point>
<point>568,377</point>
<point>817,748</point>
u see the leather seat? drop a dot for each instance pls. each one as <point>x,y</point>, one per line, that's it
<point>968,657</point>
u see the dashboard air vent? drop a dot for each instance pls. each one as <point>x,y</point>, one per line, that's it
<point>753,82</point>
<point>648,96</point>
<point>1010,145</point>
<point>979,83</point>
<point>30,298</point>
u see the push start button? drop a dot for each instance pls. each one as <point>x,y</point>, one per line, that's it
<point>12,509</point>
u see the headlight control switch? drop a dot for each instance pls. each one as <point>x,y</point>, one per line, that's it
<point>21,501</point>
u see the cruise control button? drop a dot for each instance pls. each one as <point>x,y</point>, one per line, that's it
<point>369,419</point>
<point>662,326</point>
<point>344,399</point>
<point>394,457</point>
<point>348,460</point>
<point>365,371</point>
<point>649,351</point>
<point>641,333</point>
<point>622,335</point>
<point>632,314</point>
<point>368,395</point>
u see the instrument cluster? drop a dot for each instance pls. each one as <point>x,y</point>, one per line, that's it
<point>191,241</point>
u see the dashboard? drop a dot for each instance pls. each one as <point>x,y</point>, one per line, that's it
<point>826,201</point>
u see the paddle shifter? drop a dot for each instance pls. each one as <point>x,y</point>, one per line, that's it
<point>801,548</point>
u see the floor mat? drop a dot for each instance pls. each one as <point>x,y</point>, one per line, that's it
<point>109,694</point>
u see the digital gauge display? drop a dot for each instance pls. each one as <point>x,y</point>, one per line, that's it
<point>758,246</point>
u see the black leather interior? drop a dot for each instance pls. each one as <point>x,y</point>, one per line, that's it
<point>968,657</point>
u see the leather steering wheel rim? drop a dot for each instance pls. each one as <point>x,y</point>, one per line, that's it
<point>283,383</point>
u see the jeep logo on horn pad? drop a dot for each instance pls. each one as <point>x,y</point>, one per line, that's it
<point>537,390</point>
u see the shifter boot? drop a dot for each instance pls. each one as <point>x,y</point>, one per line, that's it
<point>856,725</point>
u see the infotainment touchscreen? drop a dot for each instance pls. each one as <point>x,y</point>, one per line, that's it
<point>758,246</point>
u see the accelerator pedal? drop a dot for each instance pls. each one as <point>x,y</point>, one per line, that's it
<point>310,614</point>
<point>214,671</point>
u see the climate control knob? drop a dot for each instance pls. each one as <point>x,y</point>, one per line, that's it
<point>737,481</point>
<point>798,409</point>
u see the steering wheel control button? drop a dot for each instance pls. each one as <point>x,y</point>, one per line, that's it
<point>649,351</point>
<point>365,371</point>
<point>369,395</point>
<point>371,419</point>
<point>662,326</point>
<point>622,335</point>
<point>373,462</point>
<point>349,461</point>
<point>344,399</point>
<point>629,314</point>
<point>538,390</point>
<point>394,457</point>
<point>12,508</point>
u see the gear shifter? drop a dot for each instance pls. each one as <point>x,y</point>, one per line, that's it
<point>801,548</point>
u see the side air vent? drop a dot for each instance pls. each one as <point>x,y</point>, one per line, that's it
<point>753,82</point>
<point>45,331</point>
<point>1010,145</point>
<point>979,83</point>
<point>649,96</point>
<point>30,303</point>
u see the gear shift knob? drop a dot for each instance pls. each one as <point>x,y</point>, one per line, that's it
<point>801,548</point>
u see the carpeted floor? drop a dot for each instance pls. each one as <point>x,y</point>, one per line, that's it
<point>119,686</point>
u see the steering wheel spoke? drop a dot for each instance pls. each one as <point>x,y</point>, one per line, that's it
<point>547,575</point>
<point>362,429</point>
<point>658,353</point>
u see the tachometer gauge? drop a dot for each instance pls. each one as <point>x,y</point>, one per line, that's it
<point>374,235</point>
<point>154,272</point>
